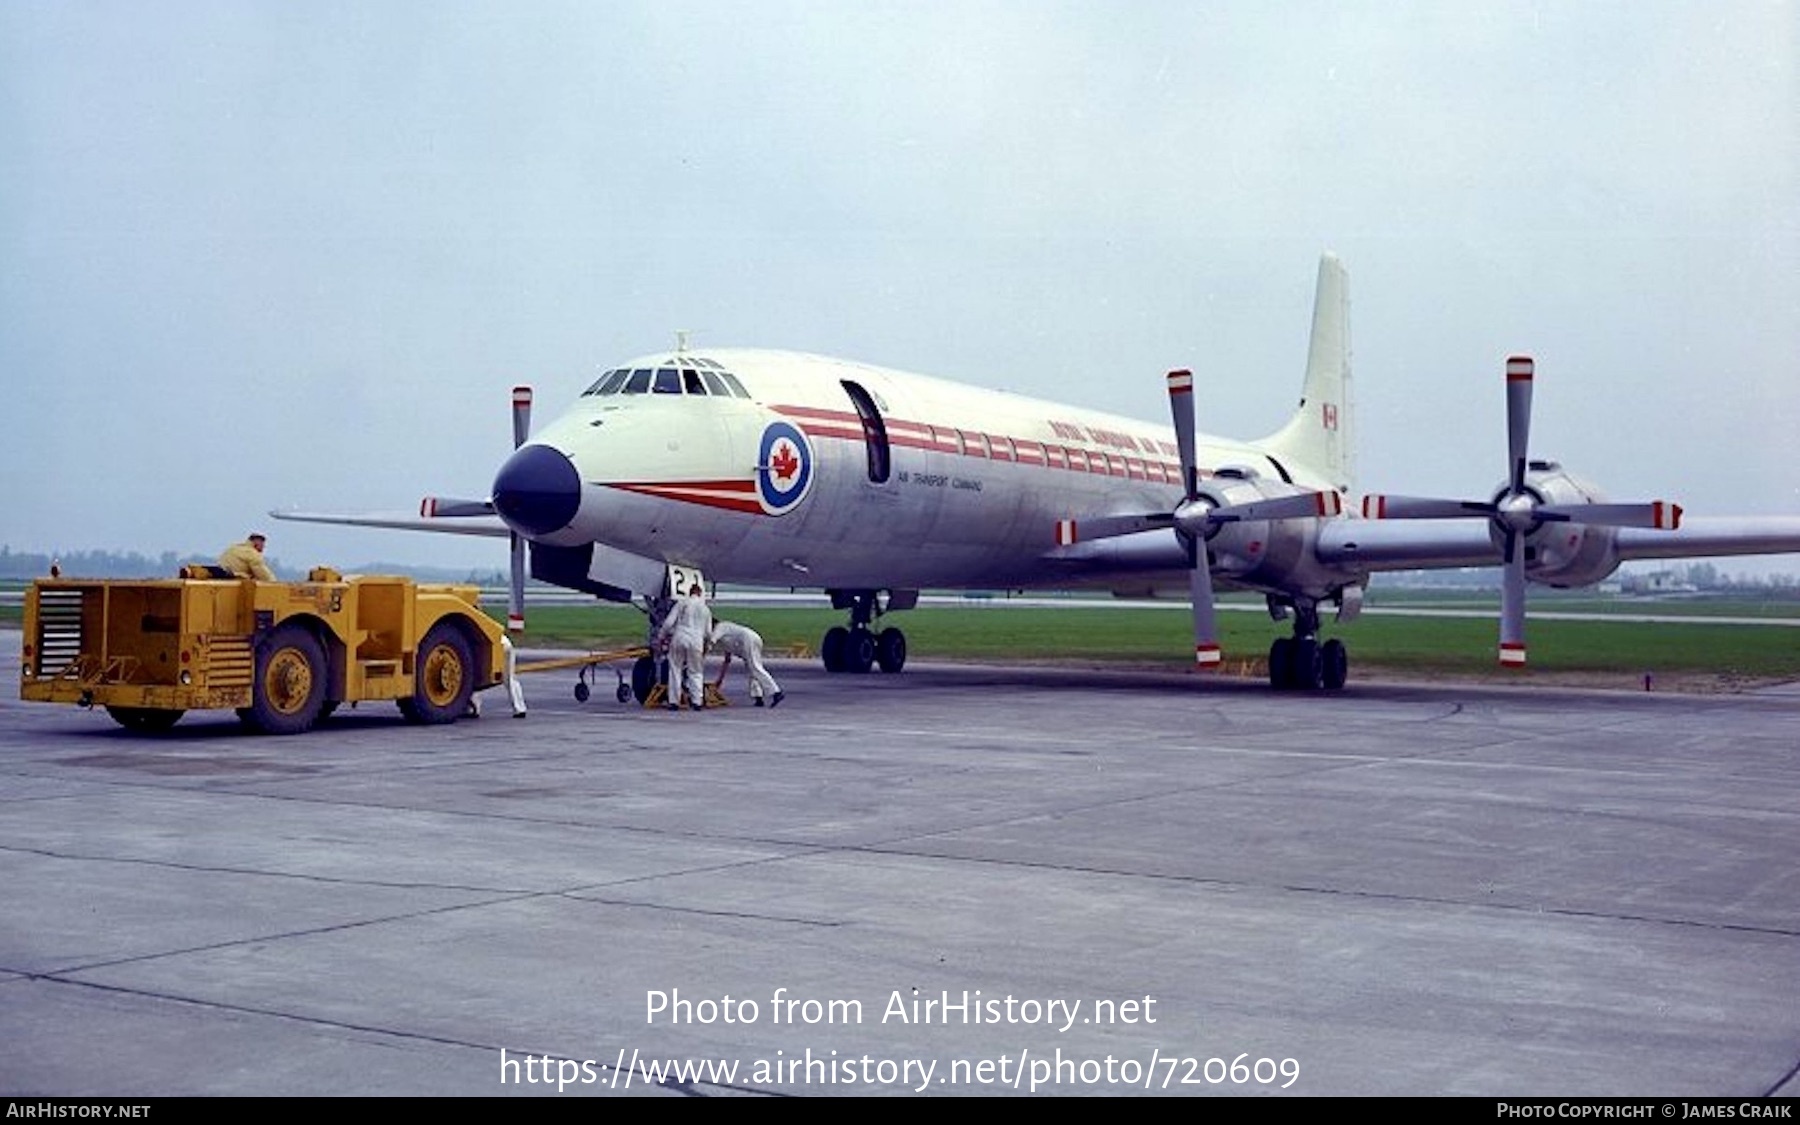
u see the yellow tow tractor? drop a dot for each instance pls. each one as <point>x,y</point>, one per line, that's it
<point>282,654</point>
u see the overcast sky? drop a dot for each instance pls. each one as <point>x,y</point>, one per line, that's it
<point>261,255</point>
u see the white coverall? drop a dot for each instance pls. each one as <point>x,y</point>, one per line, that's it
<point>686,630</point>
<point>746,644</point>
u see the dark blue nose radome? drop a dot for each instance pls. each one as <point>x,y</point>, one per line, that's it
<point>537,490</point>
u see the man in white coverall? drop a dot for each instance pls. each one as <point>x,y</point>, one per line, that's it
<point>746,644</point>
<point>685,632</point>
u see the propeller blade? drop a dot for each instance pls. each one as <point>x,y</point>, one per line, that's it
<point>1206,633</point>
<point>1379,507</point>
<point>446,507</point>
<point>1519,370</point>
<point>515,592</point>
<point>1659,515</point>
<point>521,415</point>
<point>1069,532</point>
<point>1181,407</point>
<point>1512,605</point>
<point>1305,505</point>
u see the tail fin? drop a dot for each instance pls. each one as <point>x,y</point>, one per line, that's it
<point>1319,434</point>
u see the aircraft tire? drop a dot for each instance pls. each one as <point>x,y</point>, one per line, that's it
<point>581,692</point>
<point>890,650</point>
<point>1334,660</point>
<point>288,694</point>
<point>1307,670</point>
<point>145,720</point>
<point>443,677</point>
<point>643,678</point>
<point>1281,661</point>
<point>833,648</point>
<point>859,651</point>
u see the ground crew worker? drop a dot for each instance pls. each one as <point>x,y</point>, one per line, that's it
<point>244,560</point>
<point>685,632</point>
<point>746,644</point>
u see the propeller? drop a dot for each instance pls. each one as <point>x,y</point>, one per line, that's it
<point>446,507</point>
<point>515,592</point>
<point>1196,518</point>
<point>1518,510</point>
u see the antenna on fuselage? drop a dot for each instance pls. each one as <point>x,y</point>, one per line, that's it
<point>681,340</point>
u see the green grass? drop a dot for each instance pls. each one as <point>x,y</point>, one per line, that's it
<point>1162,637</point>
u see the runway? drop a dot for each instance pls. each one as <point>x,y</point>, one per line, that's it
<point>1182,885</point>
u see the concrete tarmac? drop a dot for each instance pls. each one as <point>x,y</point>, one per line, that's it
<point>1118,882</point>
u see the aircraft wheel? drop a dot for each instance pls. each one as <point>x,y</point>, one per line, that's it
<point>145,720</point>
<point>1335,661</point>
<point>623,692</point>
<point>443,677</point>
<point>643,678</point>
<point>288,694</point>
<point>890,650</point>
<point>1307,671</point>
<point>859,652</point>
<point>833,648</point>
<point>581,692</point>
<point>1281,662</point>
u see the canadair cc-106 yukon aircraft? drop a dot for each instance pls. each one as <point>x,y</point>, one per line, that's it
<point>788,470</point>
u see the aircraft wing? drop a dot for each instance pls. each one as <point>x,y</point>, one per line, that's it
<point>1713,535</point>
<point>1432,544</point>
<point>1406,545</point>
<point>404,521</point>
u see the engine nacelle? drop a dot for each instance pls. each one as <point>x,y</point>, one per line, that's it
<point>1564,553</point>
<point>1279,553</point>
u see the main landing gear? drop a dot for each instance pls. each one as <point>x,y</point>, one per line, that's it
<point>1301,663</point>
<point>859,647</point>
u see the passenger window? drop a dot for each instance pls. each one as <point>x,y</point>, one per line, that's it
<point>639,383</point>
<point>1053,456</point>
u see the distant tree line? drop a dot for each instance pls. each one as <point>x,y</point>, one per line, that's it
<point>135,564</point>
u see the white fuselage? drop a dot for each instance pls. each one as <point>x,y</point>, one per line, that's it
<point>976,482</point>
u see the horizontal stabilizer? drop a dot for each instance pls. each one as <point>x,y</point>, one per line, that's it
<point>489,525</point>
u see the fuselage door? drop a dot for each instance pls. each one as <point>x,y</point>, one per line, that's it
<point>875,436</point>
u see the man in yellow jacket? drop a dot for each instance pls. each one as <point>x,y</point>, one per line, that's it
<point>245,559</point>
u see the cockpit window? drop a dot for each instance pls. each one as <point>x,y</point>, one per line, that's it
<point>699,377</point>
